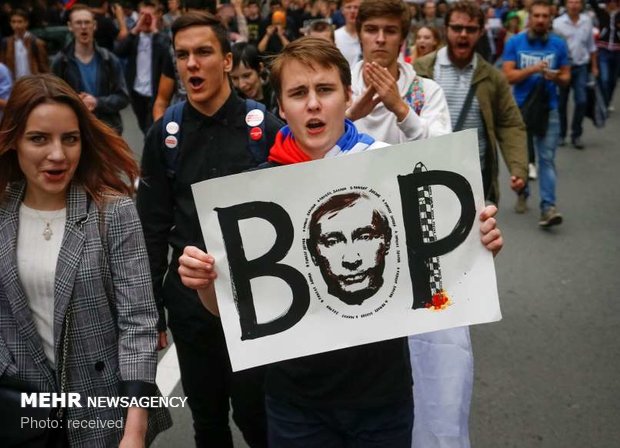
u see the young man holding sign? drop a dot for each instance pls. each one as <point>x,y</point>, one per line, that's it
<point>359,395</point>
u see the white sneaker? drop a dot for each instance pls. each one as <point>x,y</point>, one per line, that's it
<point>532,174</point>
<point>611,108</point>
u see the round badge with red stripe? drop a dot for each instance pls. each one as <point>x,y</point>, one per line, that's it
<point>171,142</point>
<point>256,134</point>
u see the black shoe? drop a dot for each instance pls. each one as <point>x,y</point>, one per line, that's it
<point>562,141</point>
<point>577,143</point>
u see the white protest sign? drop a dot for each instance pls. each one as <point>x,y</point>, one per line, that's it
<point>345,251</point>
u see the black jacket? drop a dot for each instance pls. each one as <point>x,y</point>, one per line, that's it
<point>128,48</point>
<point>210,147</point>
<point>605,26</point>
<point>113,96</point>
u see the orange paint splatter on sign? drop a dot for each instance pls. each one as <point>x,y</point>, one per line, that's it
<point>439,301</point>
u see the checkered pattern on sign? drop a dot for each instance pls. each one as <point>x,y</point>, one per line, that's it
<point>429,234</point>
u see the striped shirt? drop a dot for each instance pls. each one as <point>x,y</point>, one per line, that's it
<point>455,83</point>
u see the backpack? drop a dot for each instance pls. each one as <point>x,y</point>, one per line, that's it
<point>172,135</point>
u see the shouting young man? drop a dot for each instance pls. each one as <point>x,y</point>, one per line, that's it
<point>210,138</point>
<point>359,396</point>
<point>479,97</point>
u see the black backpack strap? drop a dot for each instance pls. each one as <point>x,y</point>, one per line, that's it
<point>257,141</point>
<point>171,133</point>
<point>465,109</point>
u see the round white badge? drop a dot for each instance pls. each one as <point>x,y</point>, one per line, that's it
<point>254,117</point>
<point>172,127</point>
<point>171,141</point>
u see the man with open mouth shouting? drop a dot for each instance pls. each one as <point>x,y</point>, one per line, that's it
<point>479,97</point>
<point>359,396</point>
<point>215,133</point>
<point>92,71</point>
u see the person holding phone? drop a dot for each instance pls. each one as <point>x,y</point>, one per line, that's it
<point>276,31</point>
<point>145,48</point>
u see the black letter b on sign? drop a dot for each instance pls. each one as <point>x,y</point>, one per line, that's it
<point>243,270</point>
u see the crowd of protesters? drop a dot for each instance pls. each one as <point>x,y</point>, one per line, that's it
<point>409,71</point>
<point>266,27</point>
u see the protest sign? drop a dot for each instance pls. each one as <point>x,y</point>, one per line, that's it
<point>345,251</point>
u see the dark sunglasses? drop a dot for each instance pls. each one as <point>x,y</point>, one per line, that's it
<point>458,29</point>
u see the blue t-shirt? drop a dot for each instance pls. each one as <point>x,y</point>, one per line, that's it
<point>6,84</point>
<point>88,75</point>
<point>524,53</point>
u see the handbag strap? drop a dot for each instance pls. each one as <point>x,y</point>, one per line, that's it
<point>107,273</point>
<point>103,234</point>
<point>63,359</point>
<point>465,109</point>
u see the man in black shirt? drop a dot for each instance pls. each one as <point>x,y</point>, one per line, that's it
<point>211,140</point>
<point>253,19</point>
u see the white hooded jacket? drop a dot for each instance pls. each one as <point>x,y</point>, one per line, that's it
<point>441,361</point>
<point>434,118</point>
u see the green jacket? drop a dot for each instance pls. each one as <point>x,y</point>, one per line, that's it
<point>501,116</point>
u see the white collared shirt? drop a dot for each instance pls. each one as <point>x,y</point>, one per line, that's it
<point>144,60</point>
<point>579,37</point>
<point>22,66</point>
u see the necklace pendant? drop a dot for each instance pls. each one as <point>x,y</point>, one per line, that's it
<point>47,232</point>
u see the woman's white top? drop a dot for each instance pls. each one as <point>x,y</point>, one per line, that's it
<point>36,266</point>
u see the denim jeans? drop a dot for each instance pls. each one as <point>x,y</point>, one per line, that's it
<point>292,426</point>
<point>609,67</point>
<point>545,148</point>
<point>578,82</point>
<point>545,153</point>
